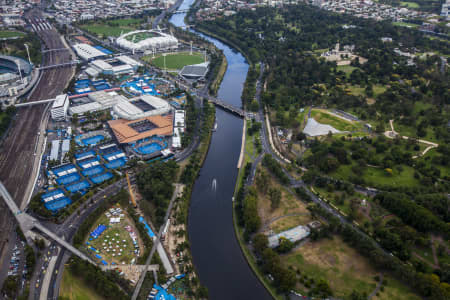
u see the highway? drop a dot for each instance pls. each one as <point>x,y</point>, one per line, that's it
<point>17,152</point>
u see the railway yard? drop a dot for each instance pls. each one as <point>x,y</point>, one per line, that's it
<point>20,145</point>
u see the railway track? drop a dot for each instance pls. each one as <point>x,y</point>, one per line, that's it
<point>17,150</point>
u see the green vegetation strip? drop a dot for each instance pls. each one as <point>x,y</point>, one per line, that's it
<point>176,61</point>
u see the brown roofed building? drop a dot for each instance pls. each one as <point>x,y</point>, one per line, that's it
<point>129,132</point>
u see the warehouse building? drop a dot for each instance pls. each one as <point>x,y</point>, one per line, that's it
<point>60,107</point>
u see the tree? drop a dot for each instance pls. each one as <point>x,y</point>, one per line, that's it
<point>275,197</point>
<point>285,245</point>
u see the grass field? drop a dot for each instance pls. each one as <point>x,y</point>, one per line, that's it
<point>140,36</point>
<point>323,117</point>
<point>378,176</point>
<point>10,34</point>
<point>289,204</point>
<point>343,268</point>
<point>405,24</point>
<point>346,69</point>
<point>74,288</point>
<point>113,27</point>
<point>409,4</point>
<point>118,233</point>
<point>176,61</point>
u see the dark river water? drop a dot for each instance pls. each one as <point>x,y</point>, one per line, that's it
<point>218,259</point>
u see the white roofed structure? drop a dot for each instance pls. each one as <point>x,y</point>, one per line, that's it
<point>87,52</point>
<point>131,110</point>
<point>156,40</point>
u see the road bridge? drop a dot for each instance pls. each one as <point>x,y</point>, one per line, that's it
<point>27,223</point>
<point>181,11</point>
<point>55,50</point>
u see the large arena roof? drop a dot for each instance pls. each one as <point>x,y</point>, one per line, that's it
<point>147,40</point>
<point>128,132</point>
<point>11,64</point>
<point>144,106</point>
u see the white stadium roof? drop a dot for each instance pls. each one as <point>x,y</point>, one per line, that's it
<point>129,111</point>
<point>163,41</point>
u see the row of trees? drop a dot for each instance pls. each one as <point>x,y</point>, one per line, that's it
<point>155,184</point>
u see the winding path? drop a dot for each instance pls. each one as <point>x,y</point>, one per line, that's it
<point>392,134</point>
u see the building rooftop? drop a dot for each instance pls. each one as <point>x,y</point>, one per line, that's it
<point>128,132</point>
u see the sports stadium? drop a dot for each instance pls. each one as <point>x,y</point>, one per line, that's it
<point>141,40</point>
<point>12,71</point>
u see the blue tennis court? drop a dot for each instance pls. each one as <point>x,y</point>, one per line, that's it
<point>63,180</point>
<point>85,154</point>
<point>73,188</point>
<point>57,204</point>
<point>104,50</point>
<point>116,163</point>
<point>93,140</point>
<point>64,170</point>
<point>102,87</point>
<point>92,171</point>
<point>101,178</point>
<point>149,148</point>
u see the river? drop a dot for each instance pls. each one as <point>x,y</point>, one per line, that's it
<point>217,256</point>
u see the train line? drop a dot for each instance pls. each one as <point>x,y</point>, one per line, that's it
<point>18,148</point>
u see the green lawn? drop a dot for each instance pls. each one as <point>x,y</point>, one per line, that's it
<point>346,69</point>
<point>361,91</point>
<point>176,61</point>
<point>74,288</point>
<point>112,27</point>
<point>10,34</point>
<point>379,177</point>
<point>405,24</point>
<point>410,4</point>
<point>323,117</point>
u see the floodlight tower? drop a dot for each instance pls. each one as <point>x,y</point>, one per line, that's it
<point>28,52</point>
<point>20,70</point>
<point>191,48</point>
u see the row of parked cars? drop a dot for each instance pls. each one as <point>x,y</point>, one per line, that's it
<point>14,262</point>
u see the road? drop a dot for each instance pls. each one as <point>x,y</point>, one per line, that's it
<point>18,148</point>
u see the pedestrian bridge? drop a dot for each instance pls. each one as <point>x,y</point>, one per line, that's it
<point>62,65</point>
<point>27,223</point>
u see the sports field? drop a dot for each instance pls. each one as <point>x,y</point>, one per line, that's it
<point>136,38</point>
<point>10,34</point>
<point>323,117</point>
<point>176,61</point>
<point>73,288</point>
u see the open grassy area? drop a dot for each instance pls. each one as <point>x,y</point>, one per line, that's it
<point>324,117</point>
<point>379,177</point>
<point>409,4</point>
<point>112,27</point>
<point>176,61</point>
<point>136,38</point>
<point>343,268</point>
<point>10,34</point>
<point>74,288</point>
<point>289,205</point>
<point>405,24</point>
<point>114,237</point>
<point>346,69</point>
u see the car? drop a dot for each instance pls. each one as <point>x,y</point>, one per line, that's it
<point>37,285</point>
